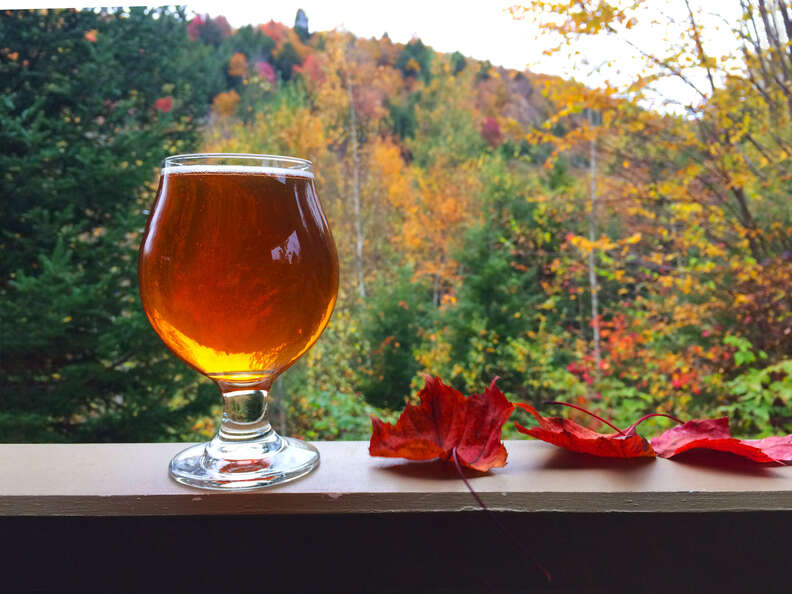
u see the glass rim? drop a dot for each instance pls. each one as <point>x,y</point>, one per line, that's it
<point>282,161</point>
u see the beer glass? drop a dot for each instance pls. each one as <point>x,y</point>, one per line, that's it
<point>238,275</point>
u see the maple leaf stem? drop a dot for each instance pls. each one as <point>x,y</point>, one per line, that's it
<point>649,416</point>
<point>588,412</point>
<point>494,518</point>
<point>467,483</point>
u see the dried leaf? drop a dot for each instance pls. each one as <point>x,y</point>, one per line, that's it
<point>444,421</point>
<point>778,447</point>
<point>714,434</point>
<point>568,434</point>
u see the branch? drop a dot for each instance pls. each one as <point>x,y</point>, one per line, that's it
<point>675,71</point>
<point>699,47</point>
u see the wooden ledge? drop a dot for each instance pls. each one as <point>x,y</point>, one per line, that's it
<point>132,480</point>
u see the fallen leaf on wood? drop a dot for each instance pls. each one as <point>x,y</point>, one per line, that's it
<point>445,421</point>
<point>714,434</point>
<point>779,447</point>
<point>568,434</point>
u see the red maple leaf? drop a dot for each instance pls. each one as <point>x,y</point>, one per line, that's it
<point>714,434</point>
<point>779,447</point>
<point>568,434</point>
<point>446,422</point>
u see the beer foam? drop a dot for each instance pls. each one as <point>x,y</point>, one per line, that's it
<point>249,169</point>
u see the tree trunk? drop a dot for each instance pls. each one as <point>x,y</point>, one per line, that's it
<point>592,237</point>
<point>356,196</point>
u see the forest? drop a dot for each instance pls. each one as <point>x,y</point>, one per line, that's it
<point>565,238</point>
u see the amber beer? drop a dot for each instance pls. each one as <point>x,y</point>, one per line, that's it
<point>238,270</point>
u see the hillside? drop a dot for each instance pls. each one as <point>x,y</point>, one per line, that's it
<point>477,210</point>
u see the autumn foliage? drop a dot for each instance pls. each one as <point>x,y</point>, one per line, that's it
<point>224,104</point>
<point>579,240</point>
<point>238,65</point>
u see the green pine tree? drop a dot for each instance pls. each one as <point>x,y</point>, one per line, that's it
<point>504,260</point>
<point>392,323</point>
<point>90,102</point>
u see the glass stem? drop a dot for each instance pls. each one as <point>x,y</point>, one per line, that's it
<point>245,416</point>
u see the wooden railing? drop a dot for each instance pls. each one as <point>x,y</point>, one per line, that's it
<point>96,512</point>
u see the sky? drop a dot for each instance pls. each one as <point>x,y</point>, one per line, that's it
<point>479,29</point>
<point>483,30</point>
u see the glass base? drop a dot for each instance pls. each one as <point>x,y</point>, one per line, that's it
<point>238,466</point>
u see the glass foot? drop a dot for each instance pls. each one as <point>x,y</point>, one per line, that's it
<point>238,466</point>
